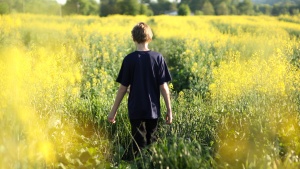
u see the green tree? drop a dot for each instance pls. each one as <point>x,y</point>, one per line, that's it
<point>215,2</point>
<point>162,6</point>
<point>168,6</point>
<point>185,1</point>
<point>184,10</point>
<point>145,1</point>
<point>196,5</point>
<point>245,7</point>
<point>30,6</point>
<point>4,8</point>
<point>233,10</point>
<point>18,6</point>
<point>81,7</point>
<point>109,7</point>
<point>208,8</point>
<point>41,7</point>
<point>265,9</point>
<point>130,7</point>
<point>222,9</point>
<point>144,10</point>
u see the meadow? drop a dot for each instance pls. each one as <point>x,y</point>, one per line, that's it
<point>235,92</point>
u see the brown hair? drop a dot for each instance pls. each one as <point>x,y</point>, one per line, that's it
<point>141,33</point>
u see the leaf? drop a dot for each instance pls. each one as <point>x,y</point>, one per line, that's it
<point>84,156</point>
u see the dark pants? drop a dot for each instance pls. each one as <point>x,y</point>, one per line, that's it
<point>143,132</point>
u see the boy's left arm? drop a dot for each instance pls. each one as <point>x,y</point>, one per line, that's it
<point>121,92</point>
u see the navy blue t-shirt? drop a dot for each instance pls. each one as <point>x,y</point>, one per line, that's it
<point>144,71</point>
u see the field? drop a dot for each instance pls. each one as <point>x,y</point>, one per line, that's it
<point>235,92</point>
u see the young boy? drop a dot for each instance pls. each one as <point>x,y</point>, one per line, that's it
<point>147,74</point>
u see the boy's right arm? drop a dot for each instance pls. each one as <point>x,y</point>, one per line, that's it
<point>164,89</point>
<point>121,92</point>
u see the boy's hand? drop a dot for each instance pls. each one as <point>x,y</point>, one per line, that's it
<point>112,117</point>
<point>169,117</point>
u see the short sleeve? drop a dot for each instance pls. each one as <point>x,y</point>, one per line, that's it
<point>124,74</point>
<point>164,74</point>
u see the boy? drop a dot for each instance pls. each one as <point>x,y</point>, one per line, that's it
<point>147,74</point>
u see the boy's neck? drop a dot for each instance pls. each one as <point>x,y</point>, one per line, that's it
<point>142,46</point>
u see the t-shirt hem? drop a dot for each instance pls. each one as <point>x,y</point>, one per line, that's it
<point>143,118</point>
<point>123,83</point>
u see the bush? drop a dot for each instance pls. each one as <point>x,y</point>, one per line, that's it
<point>184,10</point>
<point>4,8</point>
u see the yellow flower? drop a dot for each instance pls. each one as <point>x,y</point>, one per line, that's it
<point>171,86</point>
<point>181,94</point>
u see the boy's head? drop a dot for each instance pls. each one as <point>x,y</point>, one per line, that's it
<point>141,33</point>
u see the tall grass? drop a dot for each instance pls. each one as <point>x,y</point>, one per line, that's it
<point>235,92</point>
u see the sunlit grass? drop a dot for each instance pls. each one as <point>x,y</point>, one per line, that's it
<point>235,91</point>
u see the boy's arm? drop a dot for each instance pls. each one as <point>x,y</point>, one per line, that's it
<point>164,89</point>
<point>121,92</point>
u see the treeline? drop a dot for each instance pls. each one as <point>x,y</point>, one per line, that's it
<point>238,7</point>
<point>81,7</point>
<point>272,2</point>
<point>197,7</point>
<point>153,7</point>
